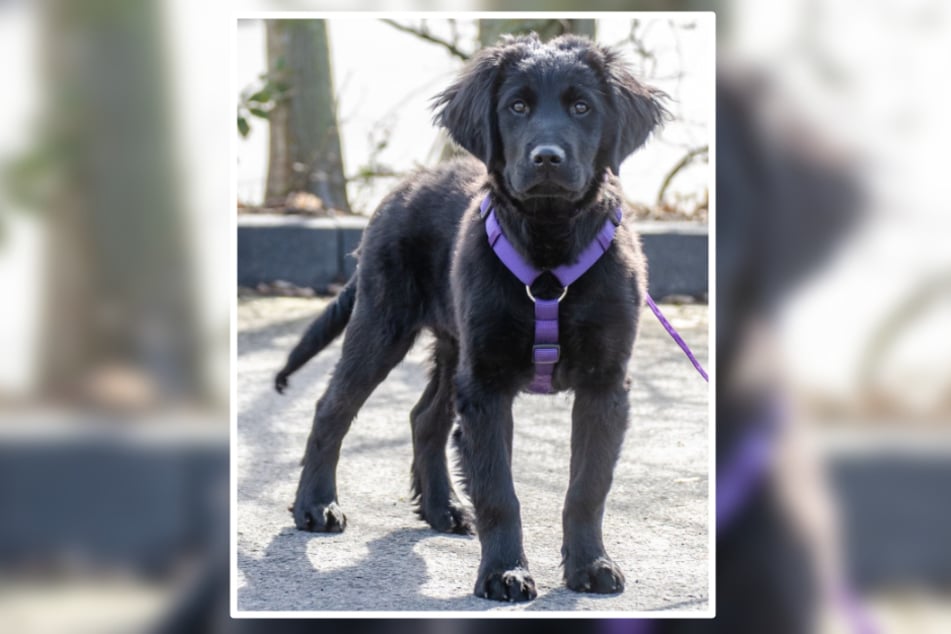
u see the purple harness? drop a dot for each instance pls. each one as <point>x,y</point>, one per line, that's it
<point>546,351</point>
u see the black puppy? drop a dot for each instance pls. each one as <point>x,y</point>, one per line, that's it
<point>550,125</point>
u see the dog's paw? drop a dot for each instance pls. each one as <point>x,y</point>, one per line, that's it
<point>601,576</point>
<point>506,585</point>
<point>453,518</point>
<point>319,518</point>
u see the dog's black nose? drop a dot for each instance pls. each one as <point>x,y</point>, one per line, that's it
<point>547,156</point>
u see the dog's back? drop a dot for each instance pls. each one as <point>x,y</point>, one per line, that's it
<point>403,258</point>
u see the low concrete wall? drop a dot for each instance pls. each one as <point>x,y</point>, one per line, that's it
<point>316,252</point>
<point>894,504</point>
<point>110,497</point>
<point>676,258</point>
<point>308,252</point>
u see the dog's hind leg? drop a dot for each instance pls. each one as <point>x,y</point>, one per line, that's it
<point>599,420</point>
<point>369,353</point>
<point>431,421</point>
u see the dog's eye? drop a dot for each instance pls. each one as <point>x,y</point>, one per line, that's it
<point>519,107</point>
<point>580,107</point>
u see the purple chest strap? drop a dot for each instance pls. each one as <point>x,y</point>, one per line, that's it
<point>546,350</point>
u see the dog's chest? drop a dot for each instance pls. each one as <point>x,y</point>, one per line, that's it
<point>595,331</point>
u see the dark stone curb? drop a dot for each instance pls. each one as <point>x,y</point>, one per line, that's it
<point>307,252</point>
<point>317,252</point>
<point>110,499</point>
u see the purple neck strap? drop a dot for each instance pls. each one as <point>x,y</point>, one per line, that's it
<point>546,351</point>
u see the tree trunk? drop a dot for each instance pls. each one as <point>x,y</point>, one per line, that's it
<point>305,152</point>
<point>119,316</point>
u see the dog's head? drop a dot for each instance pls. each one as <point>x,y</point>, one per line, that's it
<point>549,119</point>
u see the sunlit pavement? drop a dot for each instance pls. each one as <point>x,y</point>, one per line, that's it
<point>656,523</point>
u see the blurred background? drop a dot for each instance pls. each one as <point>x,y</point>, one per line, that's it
<point>117,251</point>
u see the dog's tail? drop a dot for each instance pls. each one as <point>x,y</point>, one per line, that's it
<point>320,333</point>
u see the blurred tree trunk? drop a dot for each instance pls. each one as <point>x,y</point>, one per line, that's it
<point>305,150</point>
<point>120,327</point>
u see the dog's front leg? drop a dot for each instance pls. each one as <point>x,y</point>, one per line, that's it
<point>484,439</point>
<point>598,422</point>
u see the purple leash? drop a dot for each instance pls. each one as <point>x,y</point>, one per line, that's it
<point>676,337</point>
<point>744,471</point>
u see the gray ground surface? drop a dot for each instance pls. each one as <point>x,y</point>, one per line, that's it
<point>655,525</point>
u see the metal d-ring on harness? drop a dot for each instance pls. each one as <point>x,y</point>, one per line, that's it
<point>546,350</point>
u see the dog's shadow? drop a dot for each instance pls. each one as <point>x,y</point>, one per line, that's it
<point>388,576</point>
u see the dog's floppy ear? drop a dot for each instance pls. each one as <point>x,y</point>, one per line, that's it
<point>467,108</point>
<point>639,109</point>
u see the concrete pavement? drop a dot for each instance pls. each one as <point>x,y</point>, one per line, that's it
<point>656,523</point>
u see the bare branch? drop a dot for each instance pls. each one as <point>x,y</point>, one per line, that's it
<point>369,173</point>
<point>687,159</point>
<point>426,35</point>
